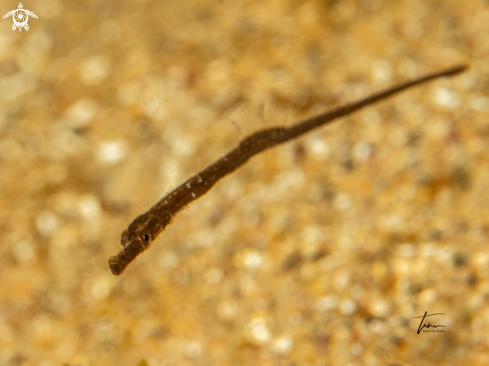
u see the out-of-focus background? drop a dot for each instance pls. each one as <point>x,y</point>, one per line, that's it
<point>318,252</point>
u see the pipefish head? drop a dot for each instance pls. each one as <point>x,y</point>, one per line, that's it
<point>134,240</point>
<point>141,231</point>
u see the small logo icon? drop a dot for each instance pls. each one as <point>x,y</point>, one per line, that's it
<point>20,17</point>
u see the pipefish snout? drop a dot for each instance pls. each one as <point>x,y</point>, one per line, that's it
<point>146,227</point>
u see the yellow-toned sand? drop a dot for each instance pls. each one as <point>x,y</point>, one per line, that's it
<point>318,252</point>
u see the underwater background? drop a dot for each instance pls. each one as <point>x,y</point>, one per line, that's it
<point>317,252</point>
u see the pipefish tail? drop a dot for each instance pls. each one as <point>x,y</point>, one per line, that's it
<point>146,227</point>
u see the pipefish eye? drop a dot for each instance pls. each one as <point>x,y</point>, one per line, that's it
<point>146,237</point>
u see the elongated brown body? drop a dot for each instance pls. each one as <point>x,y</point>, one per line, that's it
<point>146,227</point>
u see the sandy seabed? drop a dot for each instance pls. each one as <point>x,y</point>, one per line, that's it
<point>318,252</point>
